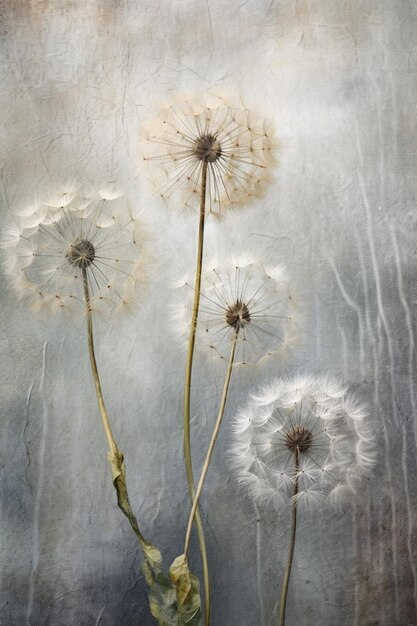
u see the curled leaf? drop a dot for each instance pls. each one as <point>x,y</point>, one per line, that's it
<point>173,601</point>
<point>187,591</point>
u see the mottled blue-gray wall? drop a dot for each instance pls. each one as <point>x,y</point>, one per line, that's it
<point>338,79</point>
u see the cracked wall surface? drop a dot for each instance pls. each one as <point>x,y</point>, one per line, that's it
<point>337,79</point>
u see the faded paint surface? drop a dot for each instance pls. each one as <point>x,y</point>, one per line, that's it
<point>338,80</point>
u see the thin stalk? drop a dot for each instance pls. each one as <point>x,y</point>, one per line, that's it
<point>103,412</point>
<point>292,545</point>
<point>187,392</point>
<point>115,452</point>
<point>212,443</point>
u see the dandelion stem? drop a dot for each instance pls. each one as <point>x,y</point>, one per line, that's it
<point>116,458</point>
<point>103,412</point>
<point>212,443</point>
<point>187,391</point>
<point>292,544</point>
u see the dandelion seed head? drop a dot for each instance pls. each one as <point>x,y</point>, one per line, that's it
<point>297,429</point>
<point>71,235</point>
<point>242,300</point>
<point>212,131</point>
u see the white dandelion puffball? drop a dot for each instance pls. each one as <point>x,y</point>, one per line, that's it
<point>239,297</point>
<point>234,144</point>
<point>309,430</point>
<point>71,234</point>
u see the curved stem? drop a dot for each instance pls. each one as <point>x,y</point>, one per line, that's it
<point>187,391</point>
<point>104,416</point>
<point>115,456</point>
<point>212,444</point>
<point>291,549</point>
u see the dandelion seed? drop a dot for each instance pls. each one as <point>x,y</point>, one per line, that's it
<point>63,195</point>
<point>240,297</point>
<point>70,234</point>
<point>215,133</point>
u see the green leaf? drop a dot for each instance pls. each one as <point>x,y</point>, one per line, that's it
<point>173,601</point>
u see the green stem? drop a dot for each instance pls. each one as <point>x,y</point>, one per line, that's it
<point>212,443</point>
<point>292,545</point>
<point>115,454</point>
<point>103,412</point>
<point>187,392</point>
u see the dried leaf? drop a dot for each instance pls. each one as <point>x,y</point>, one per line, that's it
<point>187,590</point>
<point>173,601</point>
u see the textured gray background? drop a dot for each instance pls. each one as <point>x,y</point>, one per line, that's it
<point>338,79</point>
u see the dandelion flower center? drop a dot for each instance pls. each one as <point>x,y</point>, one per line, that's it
<point>237,315</point>
<point>298,439</point>
<point>207,148</point>
<point>81,253</point>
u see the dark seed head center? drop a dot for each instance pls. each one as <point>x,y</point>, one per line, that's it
<point>207,148</point>
<point>298,439</point>
<point>81,253</point>
<point>237,315</point>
